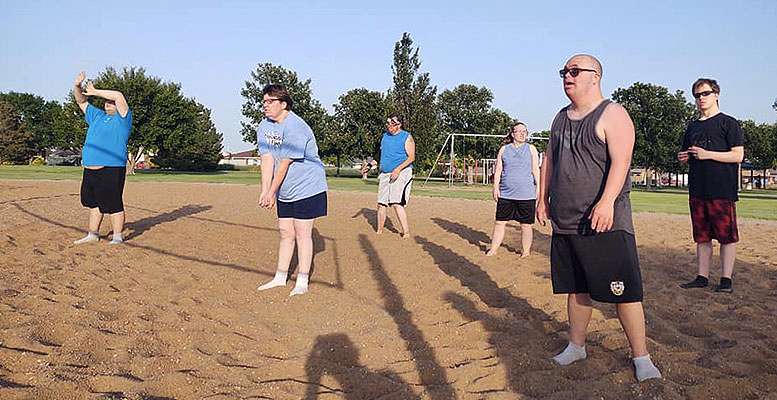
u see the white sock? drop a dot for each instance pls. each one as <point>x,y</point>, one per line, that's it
<point>117,238</point>
<point>571,354</point>
<point>90,237</point>
<point>301,287</point>
<point>278,280</point>
<point>645,368</point>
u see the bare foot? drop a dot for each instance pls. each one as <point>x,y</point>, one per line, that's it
<point>491,252</point>
<point>524,255</point>
<point>379,231</point>
<point>406,235</point>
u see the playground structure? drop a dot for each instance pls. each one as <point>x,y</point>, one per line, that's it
<point>465,168</point>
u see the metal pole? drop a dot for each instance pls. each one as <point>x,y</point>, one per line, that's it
<point>437,159</point>
<point>450,176</point>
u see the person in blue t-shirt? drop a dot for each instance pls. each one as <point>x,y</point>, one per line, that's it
<point>292,174</point>
<point>397,153</point>
<point>104,158</point>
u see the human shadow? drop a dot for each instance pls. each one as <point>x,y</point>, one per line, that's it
<point>479,239</point>
<point>431,373</point>
<point>38,198</point>
<point>164,252</point>
<point>319,245</point>
<point>372,218</point>
<point>319,242</point>
<point>336,356</point>
<point>140,226</point>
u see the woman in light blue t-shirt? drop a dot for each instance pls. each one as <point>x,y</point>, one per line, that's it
<point>516,178</point>
<point>294,177</point>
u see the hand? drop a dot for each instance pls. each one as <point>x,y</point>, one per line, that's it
<point>542,212</point>
<point>495,193</point>
<point>394,175</point>
<point>602,216</point>
<point>699,153</point>
<point>267,200</point>
<point>80,78</point>
<point>90,89</point>
<point>682,156</point>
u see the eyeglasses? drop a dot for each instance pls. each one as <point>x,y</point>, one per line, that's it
<point>267,102</point>
<point>702,94</point>
<point>574,71</point>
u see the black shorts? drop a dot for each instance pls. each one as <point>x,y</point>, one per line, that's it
<point>515,210</point>
<point>307,208</point>
<point>604,265</point>
<point>104,188</point>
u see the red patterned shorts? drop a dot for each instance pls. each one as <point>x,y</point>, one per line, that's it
<point>714,219</point>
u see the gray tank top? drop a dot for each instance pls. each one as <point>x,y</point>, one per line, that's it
<point>517,181</point>
<point>580,167</point>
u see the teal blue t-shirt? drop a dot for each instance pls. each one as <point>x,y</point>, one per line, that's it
<point>106,138</point>
<point>293,139</point>
<point>392,150</point>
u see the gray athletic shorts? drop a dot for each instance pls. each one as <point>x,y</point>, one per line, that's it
<point>397,192</point>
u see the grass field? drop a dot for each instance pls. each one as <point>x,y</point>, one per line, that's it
<point>759,204</point>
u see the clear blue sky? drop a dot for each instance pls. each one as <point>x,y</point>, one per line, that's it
<point>514,48</point>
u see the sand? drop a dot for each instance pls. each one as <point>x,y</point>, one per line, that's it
<point>174,312</point>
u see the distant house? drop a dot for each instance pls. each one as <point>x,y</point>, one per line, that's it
<point>241,159</point>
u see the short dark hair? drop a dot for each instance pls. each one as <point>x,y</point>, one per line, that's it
<point>396,118</point>
<point>279,92</point>
<point>713,84</point>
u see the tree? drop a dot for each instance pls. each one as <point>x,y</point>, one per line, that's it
<point>39,117</point>
<point>660,119</point>
<point>359,119</point>
<point>307,107</point>
<point>467,109</point>
<point>176,128</point>
<point>413,97</point>
<point>16,143</point>
<point>760,145</point>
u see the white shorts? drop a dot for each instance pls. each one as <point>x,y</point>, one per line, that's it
<point>397,192</point>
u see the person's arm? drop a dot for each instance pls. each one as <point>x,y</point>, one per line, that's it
<point>619,136</point>
<point>114,95</point>
<point>81,99</point>
<point>410,150</point>
<point>535,168</point>
<point>498,174</point>
<point>546,171</point>
<point>267,164</point>
<point>733,156</point>
<point>277,180</point>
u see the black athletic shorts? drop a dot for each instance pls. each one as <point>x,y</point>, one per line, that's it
<point>308,208</point>
<point>515,210</point>
<point>104,188</point>
<point>604,265</point>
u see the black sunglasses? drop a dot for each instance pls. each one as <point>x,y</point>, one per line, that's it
<point>574,71</point>
<point>703,94</point>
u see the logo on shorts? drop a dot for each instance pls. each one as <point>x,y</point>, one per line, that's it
<point>617,287</point>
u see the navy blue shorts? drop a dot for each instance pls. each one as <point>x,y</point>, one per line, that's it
<point>307,208</point>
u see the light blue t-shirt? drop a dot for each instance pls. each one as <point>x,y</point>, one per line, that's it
<point>293,139</point>
<point>392,150</point>
<point>106,138</point>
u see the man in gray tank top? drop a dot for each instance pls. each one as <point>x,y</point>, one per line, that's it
<point>584,190</point>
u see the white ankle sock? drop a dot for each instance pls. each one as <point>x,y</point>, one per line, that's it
<point>571,354</point>
<point>278,280</point>
<point>301,287</point>
<point>90,237</point>
<point>645,368</point>
<point>117,238</point>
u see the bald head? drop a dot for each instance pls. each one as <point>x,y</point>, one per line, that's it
<point>586,61</point>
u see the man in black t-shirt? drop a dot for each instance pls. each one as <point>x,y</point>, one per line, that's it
<point>713,148</point>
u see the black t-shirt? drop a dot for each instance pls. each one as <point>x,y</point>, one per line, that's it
<point>710,179</point>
